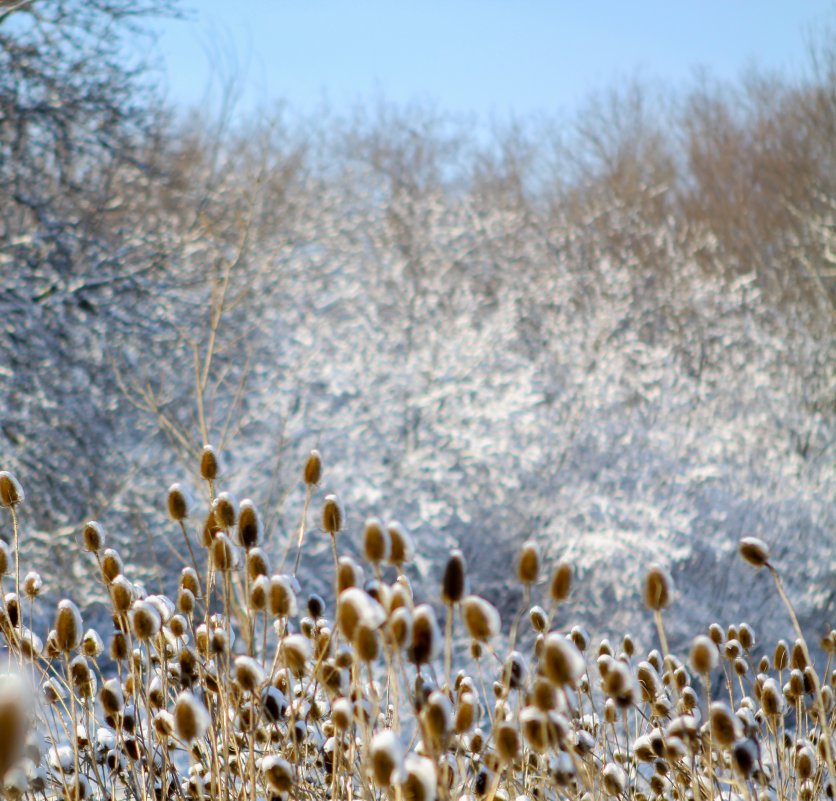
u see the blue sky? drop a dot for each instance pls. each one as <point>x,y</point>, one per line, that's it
<point>487,57</point>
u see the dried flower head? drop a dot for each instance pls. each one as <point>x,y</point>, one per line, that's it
<point>386,757</point>
<point>11,493</point>
<point>209,466</point>
<point>376,542</point>
<point>250,529</point>
<point>332,515</point>
<point>313,469</point>
<point>481,619</point>
<point>754,551</point>
<point>528,563</point>
<point>68,626</point>
<point>401,546</point>
<point>704,655</point>
<point>453,580</point>
<point>191,720</point>
<point>561,661</point>
<point>93,536</point>
<point>561,583</point>
<point>658,588</point>
<point>179,503</point>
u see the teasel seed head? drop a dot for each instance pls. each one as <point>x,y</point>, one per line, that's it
<point>401,548</point>
<point>11,493</point>
<point>185,601</point>
<point>704,655</point>
<point>754,551</point>
<point>772,698</point>
<point>111,565</point>
<point>225,509</point>
<point>426,637</point>
<point>781,657</point>
<point>282,597</point>
<point>15,720</point>
<point>367,643</point>
<point>561,584</point>
<point>561,661</point>
<point>118,647</point>
<point>615,779</point>
<point>332,515</point>
<point>454,580</point>
<point>658,588</point>
<point>481,619</point>
<point>349,574</point>
<point>68,626</point>
<point>420,781</point>
<point>211,528</point>
<point>145,620</point>
<point>111,697</point>
<point>32,585</point>
<point>248,674</point>
<point>91,644</point>
<point>224,556</point>
<point>179,503</point>
<point>313,469</point>
<point>209,465</point>
<point>93,536</point>
<point>528,563</point>
<point>386,757</point>
<point>725,727</point>
<point>376,541</point>
<point>539,619</point>
<point>258,563</point>
<point>260,592</point>
<point>278,772</point>
<point>191,720</point>
<point>250,528</point>
<point>745,757</point>
<point>294,652</point>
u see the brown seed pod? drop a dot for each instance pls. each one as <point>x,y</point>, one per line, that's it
<point>481,619</point>
<point>367,643</point>
<point>725,727</point>
<point>224,556</point>
<point>561,584</point>
<point>539,619</point>
<point>6,561</point>
<point>278,773</point>
<point>704,656</point>
<point>191,720</point>
<point>528,563</point>
<point>561,661</point>
<point>250,528</point>
<point>11,493</point>
<point>313,469</point>
<point>282,597</point>
<point>754,551</point>
<point>332,515</point>
<point>93,536</point>
<point>121,594</point>
<point>376,542</point>
<point>111,697</point>
<point>111,565</point>
<point>185,601</point>
<point>260,592</point>
<point>178,503</point>
<point>426,637</point>
<point>68,626</point>
<point>225,509</point>
<point>258,563</point>
<point>454,578</point>
<point>145,620</point>
<point>401,548</point>
<point>118,647</point>
<point>209,467</point>
<point>658,588</point>
<point>386,757</point>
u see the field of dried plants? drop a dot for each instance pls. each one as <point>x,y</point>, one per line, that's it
<point>243,686</point>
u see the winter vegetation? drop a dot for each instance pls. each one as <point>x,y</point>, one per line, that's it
<point>558,353</point>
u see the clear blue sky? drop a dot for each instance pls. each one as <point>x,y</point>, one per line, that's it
<point>488,57</point>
